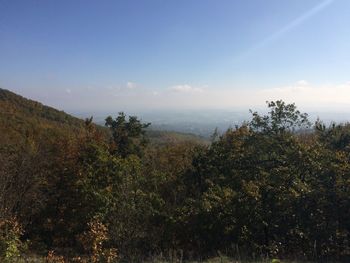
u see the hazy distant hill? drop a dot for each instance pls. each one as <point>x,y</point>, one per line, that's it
<point>159,137</point>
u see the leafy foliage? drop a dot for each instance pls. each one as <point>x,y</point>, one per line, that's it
<point>10,244</point>
<point>128,136</point>
<point>271,187</point>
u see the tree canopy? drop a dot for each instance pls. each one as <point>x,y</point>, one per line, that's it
<point>262,189</point>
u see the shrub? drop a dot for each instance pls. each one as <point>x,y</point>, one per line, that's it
<point>93,241</point>
<point>10,242</point>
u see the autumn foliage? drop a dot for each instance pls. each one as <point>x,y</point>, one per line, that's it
<point>276,186</point>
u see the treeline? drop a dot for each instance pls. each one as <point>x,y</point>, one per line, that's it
<point>275,186</point>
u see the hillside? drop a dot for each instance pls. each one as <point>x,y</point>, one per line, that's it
<point>22,118</point>
<point>12,103</point>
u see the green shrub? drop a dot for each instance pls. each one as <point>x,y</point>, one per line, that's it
<point>10,243</point>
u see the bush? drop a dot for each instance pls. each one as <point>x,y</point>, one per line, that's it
<point>10,242</point>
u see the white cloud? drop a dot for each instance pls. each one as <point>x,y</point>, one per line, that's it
<point>302,83</point>
<point>307,94</point>
<point>185,88</point>
<point>131,85</point>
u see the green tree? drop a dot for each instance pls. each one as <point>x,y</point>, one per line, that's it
<point>128,136</point>
<point>281,118</point>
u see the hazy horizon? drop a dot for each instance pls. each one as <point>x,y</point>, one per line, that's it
<point>202,121</point>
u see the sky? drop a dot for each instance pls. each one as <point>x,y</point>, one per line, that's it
<point>186,54</point>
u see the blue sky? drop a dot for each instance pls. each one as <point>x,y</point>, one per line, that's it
<point>156,54</point>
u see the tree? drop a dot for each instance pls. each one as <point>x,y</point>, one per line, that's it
<point>246,185</point>
<point>281,118</point>
<point>128,136</point>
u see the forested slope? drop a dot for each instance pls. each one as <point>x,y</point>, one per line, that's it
<point>275,187</point>
<point>21,118</point>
